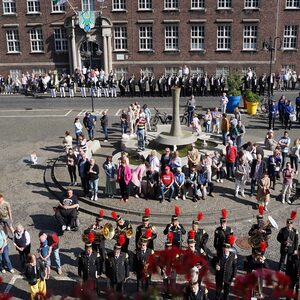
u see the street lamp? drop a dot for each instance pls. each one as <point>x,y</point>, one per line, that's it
<point>270,45</point>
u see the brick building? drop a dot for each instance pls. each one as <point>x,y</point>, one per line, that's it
<point>154,35</point>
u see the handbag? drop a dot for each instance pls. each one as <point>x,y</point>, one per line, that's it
<point>293,117</point>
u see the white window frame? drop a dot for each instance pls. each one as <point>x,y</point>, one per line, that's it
<point>195,70</point>
<point>38,71</point>
<point>9,7</point>
<point>290,39</point>
<point>224,4</point>
<point>147,71</point>
<point>146,38</point>
<point>224,37</point>
<point>197,37</point>
<point>36,40</point>
<point>197,4</point>
<point>121,71</point>
<point>145,5</point>
<point>57,8</point>
<point>250,37</point>
<point>88,5</point>
<point>14,73</point>
<point>172,38</point>
<point>292,4</point>
<point>171,4</point>
<point>13,41</point>
<point>251,4</point>
<point>171,71</point>
<point>33,7</point>
<point>60,40</point>
<point>223,70</point>
<point>120,38</point>
<point>118,5</point>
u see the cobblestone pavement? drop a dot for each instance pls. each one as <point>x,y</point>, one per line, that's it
<point>32,204</point>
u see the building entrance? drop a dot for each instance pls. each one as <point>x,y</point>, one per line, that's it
<point>91,54</point>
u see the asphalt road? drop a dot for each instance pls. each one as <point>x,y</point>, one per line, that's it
<point>38,124</point>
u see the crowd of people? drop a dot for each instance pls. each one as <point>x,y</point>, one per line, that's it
<point>166,178</point>
<point>95,81</point>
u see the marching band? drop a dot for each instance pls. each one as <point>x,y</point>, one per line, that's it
<point>116,264</point>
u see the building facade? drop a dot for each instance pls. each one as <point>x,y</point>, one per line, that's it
<point>159,36</point>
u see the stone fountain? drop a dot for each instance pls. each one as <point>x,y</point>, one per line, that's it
<point>176,136</point>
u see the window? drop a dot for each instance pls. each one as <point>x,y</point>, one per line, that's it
<point>60,40</point>
<point>197,37</point>
<point>9,7</point>
<point>197,4</point>
<point>197,71</point>
<point>145,4</point>
<point>36,40</point>
<point>286,68</point>
<point>290,37</point>
<point>222,71</point>
<point>224,37</point>
<point>171,38</point>
<point>147,71</point>
<point>88,5</point>
<point>250,4</point>
<point>121,72</point>
<point>57,8</point>
<point>120,38</point>
<point>39,71</point>
<point>119,4</point>
<point>171,71</point>
<point>13,43</point>
<point>33,6</point>
<point>246,68</point>
<point>292,4</point>
<point>146,38</point>
<point>15,73</point>
<point>224,4</point>
<point>250,37</point>
<point>171,4</point>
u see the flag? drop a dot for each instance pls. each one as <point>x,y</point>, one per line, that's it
<point>59,2</point>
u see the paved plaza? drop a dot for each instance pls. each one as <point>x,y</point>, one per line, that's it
<point>38,124</point>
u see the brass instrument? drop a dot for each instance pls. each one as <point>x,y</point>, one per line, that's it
<point>255,240</point>
<point>107,231</point>
<point>128,232</point>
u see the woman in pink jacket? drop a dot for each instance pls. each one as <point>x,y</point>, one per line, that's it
<point>124,177</point>
<point>137,176</point>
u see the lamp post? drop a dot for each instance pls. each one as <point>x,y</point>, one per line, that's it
<point>270,45</point>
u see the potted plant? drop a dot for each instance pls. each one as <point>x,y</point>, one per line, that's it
<point>252,101</point>
<point>234,82</point>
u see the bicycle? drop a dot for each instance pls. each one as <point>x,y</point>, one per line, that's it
<point>166,118</point>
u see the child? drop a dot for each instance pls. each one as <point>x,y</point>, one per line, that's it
<point>196,124</point>
<point>45,253</point>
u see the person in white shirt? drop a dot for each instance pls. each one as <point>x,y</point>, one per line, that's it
<point>223,103</point>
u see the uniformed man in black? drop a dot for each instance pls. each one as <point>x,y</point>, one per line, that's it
<point>288,238</point>
<point>226,268</point>
<point>88,264</point>
<point>201,237</point>
<point>140,265</point>
<point>98,244</point>
<point>260,228</point>
<point>221,236</point>
<point>193,289</point>
<point>117,269</point>
<point>293,271</point>
<point>123,226</point>
<point>141,230</point>
<point>177,230</point>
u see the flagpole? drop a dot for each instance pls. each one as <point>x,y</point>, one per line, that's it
<point>72,7</point>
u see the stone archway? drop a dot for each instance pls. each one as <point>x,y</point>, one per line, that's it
<point>91,54</point>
